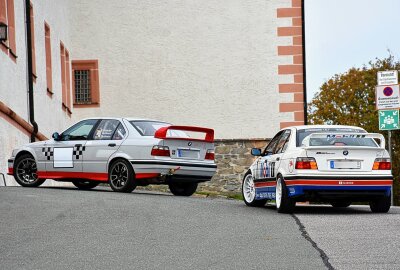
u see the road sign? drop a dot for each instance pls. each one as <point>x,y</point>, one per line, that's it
<point>388,77</point>
<point>389,120</point>
<point>387,97</point>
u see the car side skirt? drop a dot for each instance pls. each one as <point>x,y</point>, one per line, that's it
<point>102,177</point>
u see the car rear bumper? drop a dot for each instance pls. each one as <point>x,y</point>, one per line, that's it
<point>331,187</point>
<point>174,171</point>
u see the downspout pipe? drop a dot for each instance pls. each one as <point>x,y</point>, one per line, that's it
<point>29,73</point>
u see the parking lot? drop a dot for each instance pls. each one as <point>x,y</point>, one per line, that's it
<point>65,228</point>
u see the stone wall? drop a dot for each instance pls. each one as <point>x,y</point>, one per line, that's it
<point>233,158</point>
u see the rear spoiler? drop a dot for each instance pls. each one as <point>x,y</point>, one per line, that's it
<point>161,133</point>
<point>380,137</point>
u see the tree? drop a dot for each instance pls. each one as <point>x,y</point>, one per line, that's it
<point>349,99</point>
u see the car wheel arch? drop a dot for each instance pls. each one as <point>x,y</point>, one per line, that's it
<point>114,159</point>
<point>24,152</point>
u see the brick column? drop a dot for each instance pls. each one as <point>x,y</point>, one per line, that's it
<point>293,70</point>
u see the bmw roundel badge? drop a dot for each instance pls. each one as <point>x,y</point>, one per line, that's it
<point>189,143</point>
<point>345,152</point>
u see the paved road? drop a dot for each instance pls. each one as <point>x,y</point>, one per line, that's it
<point>353,238</point>
<point>65,228</point>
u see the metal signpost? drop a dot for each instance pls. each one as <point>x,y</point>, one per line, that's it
<point>388,104</point>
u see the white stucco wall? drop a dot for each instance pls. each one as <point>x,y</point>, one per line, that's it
<point>13,77</point>
<point>209,63</point>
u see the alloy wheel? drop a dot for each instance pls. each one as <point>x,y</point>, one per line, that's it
<point>26,171</point>
<point>119,175</point>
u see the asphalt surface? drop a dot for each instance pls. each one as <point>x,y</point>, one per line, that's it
<point>354,238</point>
<point>65,228</point>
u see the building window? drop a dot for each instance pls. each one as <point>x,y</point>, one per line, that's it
<point>33,43</point>
<point>82,87</point>
<point>68,79</point>
<point>7,16</point>
<point>65,79</point>
<point>49,72</point>
<point>85,75</point>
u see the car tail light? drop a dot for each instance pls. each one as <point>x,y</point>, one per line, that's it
<point>159,150</point>
<point>382,164</point>
<point>305,163</point>
<point>210,154</point>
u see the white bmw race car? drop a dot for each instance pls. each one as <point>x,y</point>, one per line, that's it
<point>122,152</point>
<point>334,164</point>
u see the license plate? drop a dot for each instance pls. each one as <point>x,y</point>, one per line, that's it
<point>184,153</point>
<point>348,164</point>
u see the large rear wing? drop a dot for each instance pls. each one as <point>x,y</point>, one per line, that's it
<point>380,137</point>
<point>162,133</point>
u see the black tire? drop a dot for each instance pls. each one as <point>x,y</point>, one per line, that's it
<point>341,204</point>
<point>381,205</point>
<point>182,189</point>
<point>25,171</point>
<point>247,189</point>
<point>85,184</point>
<point>121,176</point>
<point>286,204</point>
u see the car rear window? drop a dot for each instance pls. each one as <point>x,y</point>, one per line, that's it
<point>149,128</point>
<point>302,133</point>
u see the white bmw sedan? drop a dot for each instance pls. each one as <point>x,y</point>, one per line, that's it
<point>334,164</point>
<point>123,152</point>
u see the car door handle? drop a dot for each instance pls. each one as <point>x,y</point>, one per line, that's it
<point>112,144</point>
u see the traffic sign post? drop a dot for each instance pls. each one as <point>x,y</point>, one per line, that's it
<point>389,120</point>
<point>388,103</point>
<point>388,77</point>
<point>387,97</point>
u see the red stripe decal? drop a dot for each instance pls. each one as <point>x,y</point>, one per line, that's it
<point>265,184</point>
<point>340,182</point>
<point>84,175</point>
<point>88,175</point>
<point>146,175</point>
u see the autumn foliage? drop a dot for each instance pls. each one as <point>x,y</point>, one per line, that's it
<point>349,99</point>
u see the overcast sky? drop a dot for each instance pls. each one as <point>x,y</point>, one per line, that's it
<point>341,34</point>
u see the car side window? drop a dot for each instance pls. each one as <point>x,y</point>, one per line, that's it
<point>283,142</point>
<point>119,133</point>
<point>271,146</point>
<point>79,131</point>
<point>105,130</point>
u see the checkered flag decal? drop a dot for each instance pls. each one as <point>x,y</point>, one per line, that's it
<point>78,151</point>
<point>48,152</point>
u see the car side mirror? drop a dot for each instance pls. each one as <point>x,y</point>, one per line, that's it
<point>56,136</point>
<point>256,152</point>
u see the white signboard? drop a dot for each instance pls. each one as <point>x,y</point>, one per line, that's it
<point>387,97</point>
<point>63,157</point>
<point>388,77</point>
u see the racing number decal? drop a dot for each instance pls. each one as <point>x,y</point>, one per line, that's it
<point>272,169</point>
<point>266,169</point>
